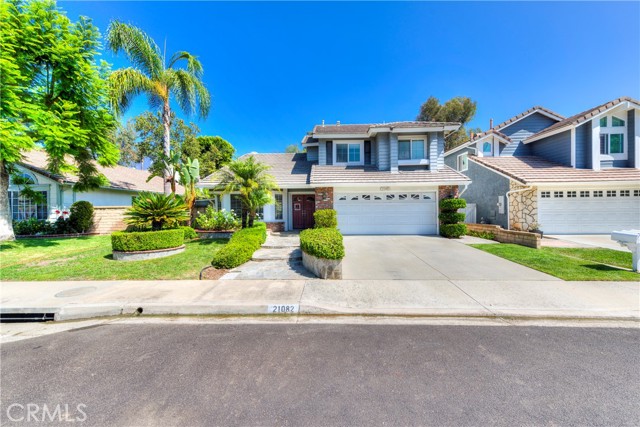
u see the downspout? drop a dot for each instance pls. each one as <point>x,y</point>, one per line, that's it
<point>507,201</point>
<point>462,192</point>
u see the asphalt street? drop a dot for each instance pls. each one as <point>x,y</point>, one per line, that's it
<point>324,375</point>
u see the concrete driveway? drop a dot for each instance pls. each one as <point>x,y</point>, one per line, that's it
<point>426,258</point>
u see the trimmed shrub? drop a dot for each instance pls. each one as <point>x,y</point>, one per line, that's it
<point>81,217</point>
<point>450,219</point>
<point>481,234</point>
<point>32,227</point>
<point>241,246</point>
<point>63,226</point>
<point>322,243</point>
<point>452,204</point>
<point>453,230</point>
<point>146,240</point>
<point>189,233</point>
<point>326,218</point>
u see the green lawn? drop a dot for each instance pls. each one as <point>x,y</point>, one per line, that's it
<point>89,258</point>
<point>568,263</point>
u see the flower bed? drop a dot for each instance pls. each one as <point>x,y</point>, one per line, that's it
<point>241,246</point>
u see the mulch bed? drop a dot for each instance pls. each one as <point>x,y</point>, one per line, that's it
<point>211,273</point>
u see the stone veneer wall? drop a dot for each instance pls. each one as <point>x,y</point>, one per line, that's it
<point>523,207</point>
<point>501,235</point>
<point>324,204</point>
<point>107,219</point>
<point>446,191</point>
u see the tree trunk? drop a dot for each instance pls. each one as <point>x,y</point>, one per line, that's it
<point>243,216</point>
<point>166,122</point>
<point>6,225</point>
<point>252,217</point>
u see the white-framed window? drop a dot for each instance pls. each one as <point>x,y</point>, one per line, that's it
<point>571,194</point>
<point>411,149</point>
<point>558,194</point>
<point>597,193</point>
<point>613,144</point>
<point>348,153</point>
<point>636,193</point>
<point>24,208</point>
<point>584,194</point>
<point>463,162</point>
<point>545,194</point>
<point>487,149</point>
<point>625,193</point>
<point>236,204</point>
<point>278,206</point>
<point>611,193</point>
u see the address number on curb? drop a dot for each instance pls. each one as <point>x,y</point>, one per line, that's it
<point>283,308</point>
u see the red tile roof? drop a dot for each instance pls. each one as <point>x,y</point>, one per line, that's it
<point>531,169</point>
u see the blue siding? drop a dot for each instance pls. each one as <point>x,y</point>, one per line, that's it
<point>528,126</point>
<point>486,185</point>
<point>631,138</point>
<point>312,154</point>
<point>583,146</point>
<point>556,148</point>
<point>451,160</point>
<point>322,153</point>
<point>383,151</point>
<point>393,151</point>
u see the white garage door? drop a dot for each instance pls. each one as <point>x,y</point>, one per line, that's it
<point>588,211</point>
<point>387,213</point>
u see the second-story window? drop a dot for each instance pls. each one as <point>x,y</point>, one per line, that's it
<point>349,153</point>
<point>411,149</point>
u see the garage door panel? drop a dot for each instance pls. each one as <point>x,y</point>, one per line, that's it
<point>588,214</point>
<point>387,213</point>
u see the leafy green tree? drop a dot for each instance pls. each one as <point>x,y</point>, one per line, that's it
<point>53,95</point>
<point>150,145</point>
<point>459,109</point>
<point>189,177</point>
<point>212,151</point>
<point>159,80</point>
<point>250,179</point>
<point>125,138</point>
<point>292,148</point>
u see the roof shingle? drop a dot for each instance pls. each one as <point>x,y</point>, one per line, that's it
<point>370,174</point>
<point>120,177</point>
<point>531,169</point>
<point>364,128</point>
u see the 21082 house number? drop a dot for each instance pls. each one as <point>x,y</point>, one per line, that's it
<point>283,308</point>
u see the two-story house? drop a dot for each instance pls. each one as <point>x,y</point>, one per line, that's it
<point>561,175</point>
<point>380,178</point>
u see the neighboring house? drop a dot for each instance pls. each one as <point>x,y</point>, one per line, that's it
<point>380,178</point>
<point>566,175</point>
<point>109,202</point>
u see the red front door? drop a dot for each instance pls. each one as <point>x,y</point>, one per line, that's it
<point>304,205</point>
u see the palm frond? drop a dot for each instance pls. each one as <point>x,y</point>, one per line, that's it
<point>124,85</point>
<point>193,64</point>
<point>139,48</point>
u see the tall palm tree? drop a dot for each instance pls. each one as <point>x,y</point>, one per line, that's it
<point>160,80</point>
<point>250,179</point>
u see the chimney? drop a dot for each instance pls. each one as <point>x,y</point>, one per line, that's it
<point>490,123</point>
<point>322,122</point>
<point>338,123</point>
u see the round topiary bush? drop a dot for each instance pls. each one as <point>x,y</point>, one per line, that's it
<point>450,218</point>
<point>81,216</point>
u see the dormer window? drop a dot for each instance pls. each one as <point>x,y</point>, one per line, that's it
<point>348,153</point>
<point>612,138</point>
<point>487,149</point>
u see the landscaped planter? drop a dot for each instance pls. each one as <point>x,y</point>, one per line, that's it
<point>210,234</point>
<point>144,255</point>
<point>57,236</point>
<point>322,267</point>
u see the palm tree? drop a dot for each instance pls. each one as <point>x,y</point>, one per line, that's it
<point>150,73</point>
<point>249,178</point>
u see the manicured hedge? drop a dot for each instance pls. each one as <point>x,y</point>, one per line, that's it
<point>453,230</point>
<point>241,246</point>
<point>322,243</point>
<point>452,204</point>
<point>326,218</point>
<point>450,219</point>
<point>146,240</point>
<point>189,233</point>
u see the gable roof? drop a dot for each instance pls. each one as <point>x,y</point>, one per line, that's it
<point>367,129</point>
<point>536,170</point>
<point>119,177</point>
<point>501,136</point>
<point>289,169</point>
<point>535,109</point>
<point>371,175</point>
<point>580,118</point>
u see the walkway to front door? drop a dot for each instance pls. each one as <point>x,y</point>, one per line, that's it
<point>304,205</point>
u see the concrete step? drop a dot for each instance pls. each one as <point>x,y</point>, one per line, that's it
<point>287,254</point>
<point>281,242</point>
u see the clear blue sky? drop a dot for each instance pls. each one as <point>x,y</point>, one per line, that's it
<point>276,69</point>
